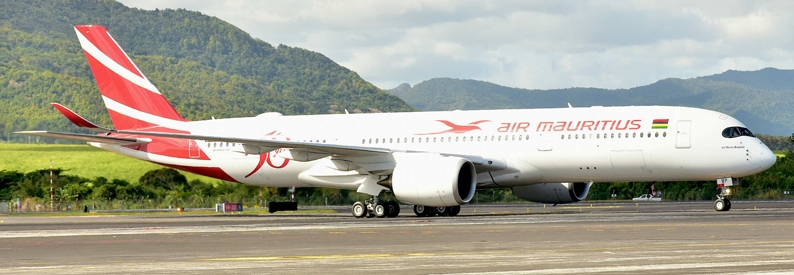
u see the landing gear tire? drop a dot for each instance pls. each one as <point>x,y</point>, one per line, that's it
<point>719,205</point>
<point>379,210</point>
<point>423,211</point>
<point>359,210</point>
<point>443,211</point>
<point>392,209</point>
<point>454,210</point>
<point>723,203</point>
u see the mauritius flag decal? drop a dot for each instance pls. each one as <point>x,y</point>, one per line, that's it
<point>659,124</point>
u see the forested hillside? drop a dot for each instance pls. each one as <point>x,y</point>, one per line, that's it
<point>204,66</point>
<point>764,99</point>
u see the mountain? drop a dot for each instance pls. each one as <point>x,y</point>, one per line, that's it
<point>763,100</point>
<point>203,65</point>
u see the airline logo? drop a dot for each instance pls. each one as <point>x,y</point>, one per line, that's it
<point>458,129</point>
<point>553,126</point>
<point>659,124</point>
<point>132,101</point>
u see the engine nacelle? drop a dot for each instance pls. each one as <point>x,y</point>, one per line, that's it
<point>432,179</point>
<point>555,192</point>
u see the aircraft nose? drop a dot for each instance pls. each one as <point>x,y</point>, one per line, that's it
<point>766,157</point>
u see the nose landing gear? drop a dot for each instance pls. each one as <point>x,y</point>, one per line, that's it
<point>723,203</point>
<point>724,184</point>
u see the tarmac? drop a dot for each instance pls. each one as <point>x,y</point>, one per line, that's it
<point>583,238</point>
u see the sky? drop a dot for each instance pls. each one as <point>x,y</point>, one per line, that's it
<point>523,44</point>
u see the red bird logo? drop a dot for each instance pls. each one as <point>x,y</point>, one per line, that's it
<point>458,129</point>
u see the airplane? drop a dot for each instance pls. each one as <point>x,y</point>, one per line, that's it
<point>435,161</point>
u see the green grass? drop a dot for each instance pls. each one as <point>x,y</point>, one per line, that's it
<point>78,160</point>
<point>247,211</point>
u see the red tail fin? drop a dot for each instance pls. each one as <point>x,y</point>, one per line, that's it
<point>132,101</point>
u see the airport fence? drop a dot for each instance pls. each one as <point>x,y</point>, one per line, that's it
<point>196,202</point>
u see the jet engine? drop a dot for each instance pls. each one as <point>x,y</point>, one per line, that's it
<point>556,192</point>
<point>432,179</point>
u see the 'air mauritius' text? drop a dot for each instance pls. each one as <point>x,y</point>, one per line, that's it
<point>571,126</point>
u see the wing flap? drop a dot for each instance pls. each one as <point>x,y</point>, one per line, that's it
<point>87,137</point>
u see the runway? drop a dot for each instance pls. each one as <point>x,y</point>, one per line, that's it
<point>605,238</point>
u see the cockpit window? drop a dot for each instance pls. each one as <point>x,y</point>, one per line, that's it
<point>732,132</point>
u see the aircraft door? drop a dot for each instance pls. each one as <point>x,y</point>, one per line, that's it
<point>682,134</point>
<point>193,149</point>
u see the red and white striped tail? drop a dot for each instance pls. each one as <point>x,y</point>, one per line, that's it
<point>132,101</point>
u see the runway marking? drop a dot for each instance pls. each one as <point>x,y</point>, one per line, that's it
<point>353,256</point>
<point>634,268</point>
<point>592,207</point>
<point>352,225</point>
<point>499,252</point>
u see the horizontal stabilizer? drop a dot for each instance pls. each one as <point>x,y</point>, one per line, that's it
<point>88,138</point>
<point>77,119</point>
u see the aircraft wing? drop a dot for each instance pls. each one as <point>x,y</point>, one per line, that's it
<point>87,137</point>
<point>269,145</point>
<point>319,150</point>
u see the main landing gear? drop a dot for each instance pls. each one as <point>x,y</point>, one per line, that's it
<point>723,203</point>
<point>374,207</point>
<point>428,211</point>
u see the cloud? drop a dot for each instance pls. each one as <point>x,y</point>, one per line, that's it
<point>527,44</point>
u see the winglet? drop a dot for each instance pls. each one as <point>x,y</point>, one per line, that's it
<point>77,119</point>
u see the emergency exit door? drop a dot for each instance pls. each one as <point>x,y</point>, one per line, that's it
<point>682,135</point>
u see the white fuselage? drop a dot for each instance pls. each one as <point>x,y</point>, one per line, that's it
<point>593,144</point>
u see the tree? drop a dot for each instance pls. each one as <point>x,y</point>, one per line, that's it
<point>166,178</point>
